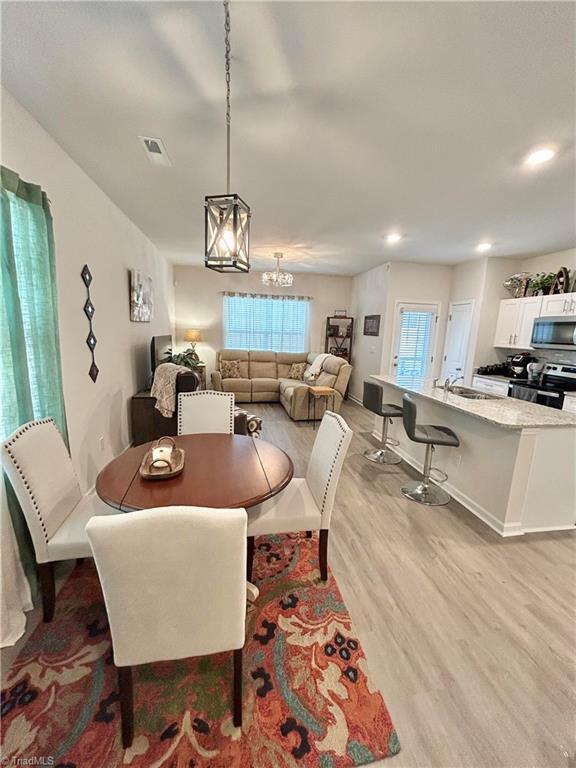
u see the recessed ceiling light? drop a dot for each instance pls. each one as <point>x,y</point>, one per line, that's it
<point>539,156</point>
<point>393,238</point>
<point>483,247</point>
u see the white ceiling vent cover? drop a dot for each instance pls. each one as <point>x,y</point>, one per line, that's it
<point>155,150</point>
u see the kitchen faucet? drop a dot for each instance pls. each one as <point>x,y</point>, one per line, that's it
<point>450,382</point>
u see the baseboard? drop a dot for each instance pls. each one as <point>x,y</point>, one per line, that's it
<point>503,529</point>
<point>355,400</point>
<point>550,529</point>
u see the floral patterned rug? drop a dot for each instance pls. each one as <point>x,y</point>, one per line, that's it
<point>307,696</point>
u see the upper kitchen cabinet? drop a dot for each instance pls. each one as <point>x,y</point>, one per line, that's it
<point>515,320</point>
<point>559,304</point>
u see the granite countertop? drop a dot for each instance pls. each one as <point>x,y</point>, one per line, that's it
<point>504,411</point>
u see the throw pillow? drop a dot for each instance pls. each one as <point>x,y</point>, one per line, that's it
<point>230,369</point>
<point>297,371</point>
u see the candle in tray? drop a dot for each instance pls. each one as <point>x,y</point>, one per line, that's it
<point>162,453</point>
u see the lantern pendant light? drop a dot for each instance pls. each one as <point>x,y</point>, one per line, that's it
<point>227,217</point>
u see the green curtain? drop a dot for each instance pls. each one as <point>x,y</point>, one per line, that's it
<point>30,366</point>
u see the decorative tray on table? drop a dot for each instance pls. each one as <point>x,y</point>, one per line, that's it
<point>162,461</point>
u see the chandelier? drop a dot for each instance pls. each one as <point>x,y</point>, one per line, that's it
<point>227,217</point>
<point>278,278</point>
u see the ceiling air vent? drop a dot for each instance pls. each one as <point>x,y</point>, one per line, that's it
<point>155,150</point>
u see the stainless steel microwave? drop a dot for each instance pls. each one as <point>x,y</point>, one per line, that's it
<point>554,332</point>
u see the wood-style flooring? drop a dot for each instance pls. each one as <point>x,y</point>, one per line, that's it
<point>469,636</point>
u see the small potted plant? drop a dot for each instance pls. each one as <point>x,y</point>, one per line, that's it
<point>541,283</point>
<point>189,358</point>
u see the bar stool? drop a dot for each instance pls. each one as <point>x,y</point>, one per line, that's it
<point>423,491</point>
<point>372,400</point>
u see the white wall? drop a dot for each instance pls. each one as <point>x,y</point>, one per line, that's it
<point>551,262</point>
<point>90,229</point>
<point>369,293</point>
<point>198,303</point>
<point>468,281</point>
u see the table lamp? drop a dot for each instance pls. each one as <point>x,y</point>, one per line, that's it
<point>193,336</point>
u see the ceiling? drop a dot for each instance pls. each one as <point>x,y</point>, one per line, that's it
<point>349,119</point>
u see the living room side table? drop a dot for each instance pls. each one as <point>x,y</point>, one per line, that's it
<point>316,393</point>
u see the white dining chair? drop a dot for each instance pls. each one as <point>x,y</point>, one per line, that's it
<point>205,411</point>
<point>306,503</point>
<point>37,464</point>
<point>174,584</point>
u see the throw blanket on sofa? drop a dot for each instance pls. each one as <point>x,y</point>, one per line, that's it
<point>313,372</point>
<point>164,387</point>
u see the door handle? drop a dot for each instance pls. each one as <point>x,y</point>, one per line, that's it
<point>564,306</point>
<point>510,339</point>
<point>515,337</point>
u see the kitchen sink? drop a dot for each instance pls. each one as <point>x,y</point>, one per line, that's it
<point>471,394</point>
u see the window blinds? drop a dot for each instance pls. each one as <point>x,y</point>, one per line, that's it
<point>414,343</point>
<point>266,322</point>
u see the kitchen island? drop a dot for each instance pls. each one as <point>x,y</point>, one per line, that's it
<point>516,464</point>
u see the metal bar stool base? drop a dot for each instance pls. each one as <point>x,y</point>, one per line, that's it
<point>382,456</point>
<point>430,494</point>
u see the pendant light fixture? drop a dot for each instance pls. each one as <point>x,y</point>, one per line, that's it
<point>227,217</point>
<point>278,278</point>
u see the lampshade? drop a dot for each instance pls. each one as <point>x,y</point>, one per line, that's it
<point>192,335</point>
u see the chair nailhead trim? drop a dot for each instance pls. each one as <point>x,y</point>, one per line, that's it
<point>203,393</point>
<point>337,454</point>
<point>14,461</point>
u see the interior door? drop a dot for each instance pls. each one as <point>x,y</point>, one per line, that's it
<point>414,339</point>
<point>457,338</point>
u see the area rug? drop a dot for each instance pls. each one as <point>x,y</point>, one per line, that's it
<point>307,696</point>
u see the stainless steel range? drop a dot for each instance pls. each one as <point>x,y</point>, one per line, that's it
<point>556,380</point>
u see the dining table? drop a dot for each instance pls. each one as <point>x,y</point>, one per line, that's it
<point>220,470</point>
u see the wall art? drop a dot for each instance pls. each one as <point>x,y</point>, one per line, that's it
<point>89,311</point>
<point>371,325</point>
<point>141,297</point>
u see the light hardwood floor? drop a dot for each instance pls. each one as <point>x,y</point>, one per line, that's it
<point>469,637</point>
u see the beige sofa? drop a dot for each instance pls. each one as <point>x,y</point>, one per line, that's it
<point>265,380</point>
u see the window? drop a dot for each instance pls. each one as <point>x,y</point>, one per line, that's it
<point>278,324</point>
<point>30,371</point>
<point>414,339</point>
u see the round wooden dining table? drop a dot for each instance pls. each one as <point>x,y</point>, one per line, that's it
<point>221,471</point>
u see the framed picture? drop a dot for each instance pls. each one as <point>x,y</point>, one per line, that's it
<point>371,325</point>
<point>141,297</point>
<point>339,313</point>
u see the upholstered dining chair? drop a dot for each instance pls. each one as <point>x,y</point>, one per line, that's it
<point>174,584</point>
<point>306,503</point>
<point>205,411</point>
<point>37,463</point>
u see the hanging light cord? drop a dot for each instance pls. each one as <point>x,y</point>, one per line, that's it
<point>227,67</point>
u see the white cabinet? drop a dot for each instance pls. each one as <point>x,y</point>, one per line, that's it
<point>515,321</point>
<point>559,304</point>
<point>530,309</point>
<point>491,386</point>
<point>569,403</point>
<point>507,324</point>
